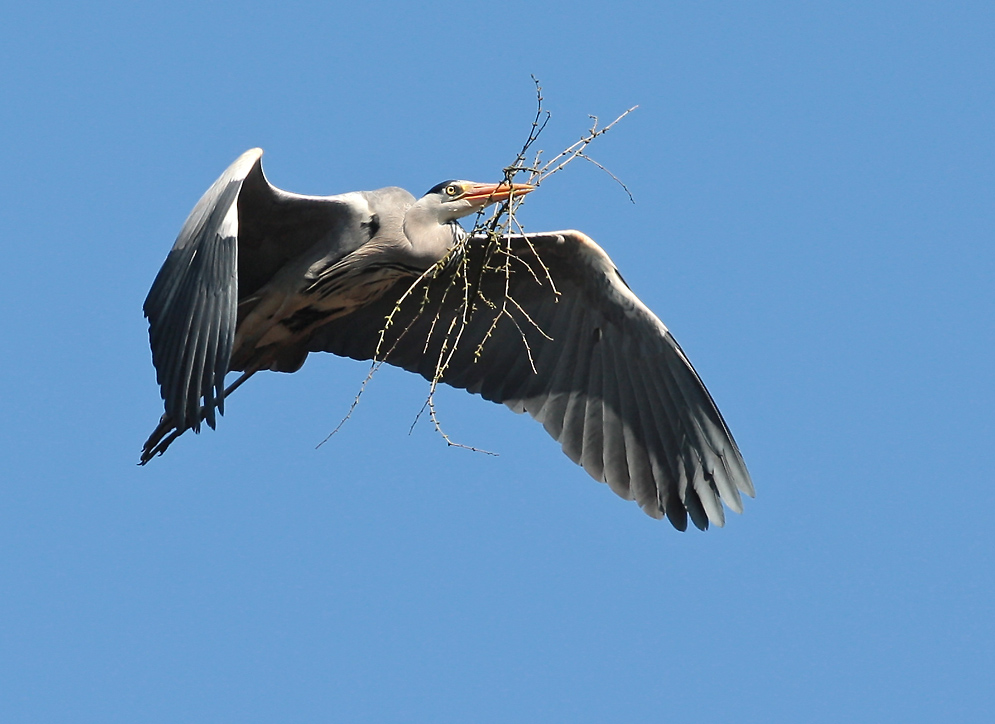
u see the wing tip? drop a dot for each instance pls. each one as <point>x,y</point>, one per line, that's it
<point>241,166</point>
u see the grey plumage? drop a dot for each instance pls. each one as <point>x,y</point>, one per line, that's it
<point>575,348</point>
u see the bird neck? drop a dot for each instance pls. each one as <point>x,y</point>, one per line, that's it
<point>430,238</point>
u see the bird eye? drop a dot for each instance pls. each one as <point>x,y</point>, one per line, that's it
<point>452,190</point>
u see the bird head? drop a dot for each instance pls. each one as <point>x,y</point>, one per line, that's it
<point>455,199</point>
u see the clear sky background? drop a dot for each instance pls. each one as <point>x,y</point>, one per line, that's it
<point>814,219</point>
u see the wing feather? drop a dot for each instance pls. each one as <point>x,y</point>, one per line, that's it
<point>642,480</point>
<point>661,452</point>
<point>574,416</point>
<point>593,446</point>
<point>613,431</point>
<point>556,397</point>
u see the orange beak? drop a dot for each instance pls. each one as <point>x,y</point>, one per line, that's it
<point>486,194</point>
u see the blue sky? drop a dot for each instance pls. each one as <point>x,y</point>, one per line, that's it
<point>814,188</point>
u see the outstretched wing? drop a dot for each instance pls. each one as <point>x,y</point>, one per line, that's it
<point>238,236</point>
<point>192,305</point>
<point>545,324</point>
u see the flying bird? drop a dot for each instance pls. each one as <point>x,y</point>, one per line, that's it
<point>543,322</point>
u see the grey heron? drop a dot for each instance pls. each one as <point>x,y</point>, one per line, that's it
<point>259,278</point>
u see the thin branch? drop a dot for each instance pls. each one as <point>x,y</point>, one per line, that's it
<point>617,179</point>
<point>362,388</point>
